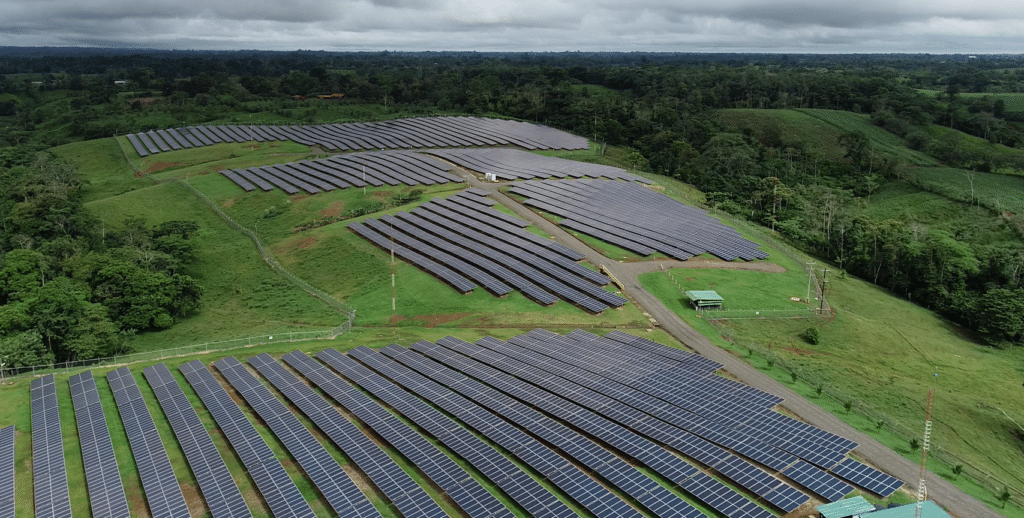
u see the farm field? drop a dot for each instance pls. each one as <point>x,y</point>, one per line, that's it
<point>994,191</point>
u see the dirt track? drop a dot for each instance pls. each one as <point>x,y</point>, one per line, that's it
<point>958,503</point>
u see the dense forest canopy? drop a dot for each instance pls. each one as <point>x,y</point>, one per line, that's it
<point>954,111</point>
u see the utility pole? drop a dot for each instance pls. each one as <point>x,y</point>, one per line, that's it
<point>922,491</point>
<point>824,279</point>
<point>810,272</point>
<point>393,305</point>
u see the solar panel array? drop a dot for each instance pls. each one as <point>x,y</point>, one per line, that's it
<point>329,477</point>
<point>106,492</point>
<point>539,502</point>
<point>476,501</point>
<point>7,472</point>
<point>219,489</point>
<point>273,482</point>
<point>867,477</point>
<point>466,243</point>
<point>343,171</point>
<point>425,132</point>
<point>516,164</point>
<point>474,361</point>
<point>163,494</point>
<point>618,472</point>
<point>396,484</point>
<point>49,475</point>
<point>637,219</point>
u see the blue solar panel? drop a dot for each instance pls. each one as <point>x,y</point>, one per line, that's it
<point>49,475</point>
<point>828,487</point>
<point>7,472</point>
<point>867,477</point>
<point>106,493</point>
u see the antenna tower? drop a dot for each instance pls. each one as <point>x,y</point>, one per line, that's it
<point>922,491</point>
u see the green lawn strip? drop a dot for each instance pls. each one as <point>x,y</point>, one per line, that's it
<point>242,296</point>
<point>881,352</point>
<point>122,449</point>
<point>849,122</point>
<point>102,164</point>
<point>73,461</point>
<point>994,191</point>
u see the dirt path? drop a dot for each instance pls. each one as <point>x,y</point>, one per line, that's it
<point>944,493</point>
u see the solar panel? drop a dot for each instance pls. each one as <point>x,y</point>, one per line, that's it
<point>381,469</point>
<point>867,477</point>
<point>271,479</point>
<point>49,475</point>
<point>106,492</point>
<point>828,487</point>
<point>330,478</point>
<point>219,490</point>
<point>7,472</point>
<point>163,493</point>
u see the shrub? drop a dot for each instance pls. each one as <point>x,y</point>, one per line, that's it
<point>811,335</point>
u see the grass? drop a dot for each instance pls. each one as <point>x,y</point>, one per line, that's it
<point>998,191</point>
<point>883,353</point>
<point>820,129</point>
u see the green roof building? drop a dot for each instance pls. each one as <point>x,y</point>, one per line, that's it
<point>855,506</point>
<point>705,299</point>
<point>929,509</point>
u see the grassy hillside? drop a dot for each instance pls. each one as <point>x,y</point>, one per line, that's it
<point>820,130</point>
<point>996,191</point>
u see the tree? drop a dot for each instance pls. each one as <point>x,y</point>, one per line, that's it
<point>1000,315</point>
<point>957,470</point>
<point>24,349</point>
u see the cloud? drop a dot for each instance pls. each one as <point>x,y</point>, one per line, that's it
<point>532,25</point>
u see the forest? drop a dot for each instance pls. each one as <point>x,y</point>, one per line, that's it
<point>675,114</point>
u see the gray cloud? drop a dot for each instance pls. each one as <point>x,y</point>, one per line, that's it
<point>937,26</point>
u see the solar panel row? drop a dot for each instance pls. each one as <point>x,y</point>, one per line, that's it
<point>404,493</point>
<point>521,487</point>
<point>273,482</point>
<point>516,164</point>
<point>614,469</point>
<point>442,470</point>
<point>329,477</point>
<point>867,477</point>
<point>620,403</point>
<point>49,475</point>
<point>343,171</point>
<point>219,489</point>
<point>163,494</point>
<point>7,472</point>
<point>106,492</point>
<point>567,477</point>
<point>573,404</point>
<point>498,260</point>
<point>613,211</point>
<point>393,134</point>
<point>734,410</point>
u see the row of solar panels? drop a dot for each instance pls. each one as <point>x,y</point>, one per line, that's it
<point>7,472</point>
<point>342,171</point>
<point>637,219</point>
<point>482,246</point>
<point>517,394</point>
<point>49,474</point>
<point>102,478</point>
<point>426,132</point>
<point>516,164</point>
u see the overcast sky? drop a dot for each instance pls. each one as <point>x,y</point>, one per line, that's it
<point>820,26</point>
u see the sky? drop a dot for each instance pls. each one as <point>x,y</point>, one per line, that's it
<point>791,26</point>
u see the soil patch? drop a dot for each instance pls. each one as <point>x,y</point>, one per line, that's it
<point>395,319</point>
<point>229,203</point>
<point>196,503</point>
<point>690,279</point>
<point>298,197</point>
<point>160,166</point>
<point>333,210</point>
<point>434,320</point>
<point>299,244</point>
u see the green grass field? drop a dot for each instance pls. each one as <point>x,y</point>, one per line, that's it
<point>996,191</point>
<point>821,129</point>
<point>883,353</point>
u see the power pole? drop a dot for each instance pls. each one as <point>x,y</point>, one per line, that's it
<point>922,491</point>
<point>393,305</point>
<point>810,272</point>
<point>824,279</point>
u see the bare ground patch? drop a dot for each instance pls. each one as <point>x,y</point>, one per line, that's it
<point>333,210</point>
<point>160,166</point>
<point>434,320</point>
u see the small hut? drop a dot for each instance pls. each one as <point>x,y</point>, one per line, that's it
<point>705,299</point>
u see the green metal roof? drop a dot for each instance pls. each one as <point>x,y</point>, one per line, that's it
<point>845,508</point>
<point>704,295</point>
<point>928,510</point>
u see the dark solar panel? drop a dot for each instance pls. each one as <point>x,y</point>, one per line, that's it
<point>271,479</point>
<point>7,472</point>
<point>49,475</point>
<point>330,478</point>
<point>828,487</point>
<point>163,493</point>
<point>867,477</point>
<point>406,495</point>
<point>219,489</point>
<point>139,148</point>
<point>106,492</point>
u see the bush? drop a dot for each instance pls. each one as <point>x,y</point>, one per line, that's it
<point>811,335</point>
